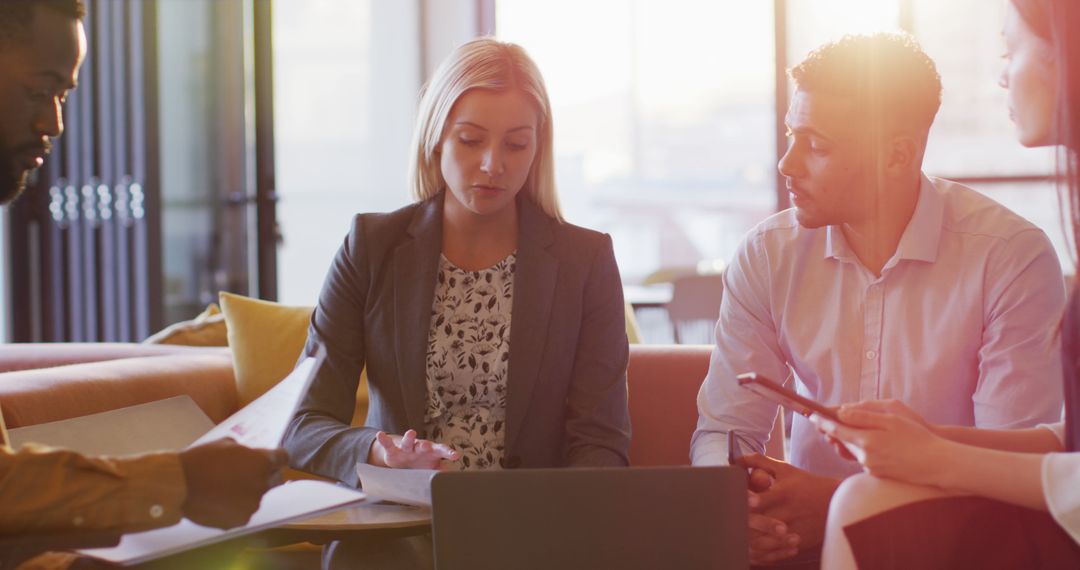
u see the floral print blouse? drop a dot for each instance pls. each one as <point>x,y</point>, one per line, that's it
<point>467,357</point>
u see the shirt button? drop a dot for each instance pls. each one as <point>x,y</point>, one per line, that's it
<point>77,521</point>
<point>156,511</point>
<point>870,355</point>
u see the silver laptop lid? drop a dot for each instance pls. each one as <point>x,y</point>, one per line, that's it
<point>626,518</point>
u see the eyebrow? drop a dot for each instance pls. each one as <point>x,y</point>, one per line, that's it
<point>476,126</point>
<point>807,131</point>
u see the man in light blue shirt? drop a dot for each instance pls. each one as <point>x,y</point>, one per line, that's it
<point>880,283</point>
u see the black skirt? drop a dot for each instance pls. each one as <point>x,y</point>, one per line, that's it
<point>961,533</point>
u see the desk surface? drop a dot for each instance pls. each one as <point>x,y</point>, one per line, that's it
<point>366,516</point>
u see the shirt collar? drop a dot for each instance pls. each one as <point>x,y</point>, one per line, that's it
<point>921,237</point>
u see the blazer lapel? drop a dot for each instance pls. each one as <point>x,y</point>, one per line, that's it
<point>415,266</point>
<point>534,289</point>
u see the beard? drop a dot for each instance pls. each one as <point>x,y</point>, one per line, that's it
<point>13,179</point>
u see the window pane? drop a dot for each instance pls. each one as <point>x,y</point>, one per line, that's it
<point>662,138</point>
<point>346,76</point>
<point>811,23</point>
<point>972,135</point>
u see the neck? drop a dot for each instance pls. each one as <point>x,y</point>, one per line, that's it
<point>474,242</point>
<point>875,237</point>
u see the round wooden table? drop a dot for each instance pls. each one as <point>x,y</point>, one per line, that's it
<point>366,520</point>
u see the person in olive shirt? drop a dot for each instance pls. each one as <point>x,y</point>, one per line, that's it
<point>42,45</point>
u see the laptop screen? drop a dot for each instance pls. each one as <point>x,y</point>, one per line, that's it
<point>648,517</point>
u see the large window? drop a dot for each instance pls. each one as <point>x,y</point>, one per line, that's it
<point>665,112</point>
<point>345,83</point>
<point>973,140</point>
<point>663,137</point>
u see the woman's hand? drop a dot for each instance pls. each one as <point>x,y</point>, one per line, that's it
<point>408,452</point>
<point>895,407</point>
<point>889,440</point>
<point>883,406</point>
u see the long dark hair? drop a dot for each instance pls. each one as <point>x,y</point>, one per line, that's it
<point>1057,21</point>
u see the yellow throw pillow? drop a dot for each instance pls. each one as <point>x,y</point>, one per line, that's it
<point>266,340</point>
<point>207,329</point>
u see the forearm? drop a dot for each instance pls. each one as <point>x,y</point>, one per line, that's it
<point>1032,440</point>
<point>56,490</point>
<point>1006,476</point>
<point>325,446</point>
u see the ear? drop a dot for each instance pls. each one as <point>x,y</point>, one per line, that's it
<point>902,154</point>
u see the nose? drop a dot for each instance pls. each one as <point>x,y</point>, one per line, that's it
<point>789,164</point>
<point>1003,79</point>
<point>492,163</point>
<point>50,120</point>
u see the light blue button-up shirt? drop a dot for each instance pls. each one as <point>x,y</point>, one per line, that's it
<point>961,325</point>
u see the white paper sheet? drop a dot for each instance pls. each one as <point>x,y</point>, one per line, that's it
<point>405,486</point>
<point>164,425</point>
<point>262,423</point>
<point>286,503</point>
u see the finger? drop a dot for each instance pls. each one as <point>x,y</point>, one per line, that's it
<point>759,461</point>
<point>842,451</point>
<point>767,525</point>
<point>408,441</point>
<point>446,452</point>
<point>390,450</point>
<point>423,447</point>
<point>778,555</point>
<point>765,544</point>
<point>385,441</point>
<point>842,432</point>
<point>761,545</point>
<point>278,458</point>
<point>759,480</point>
<point>862,418</point>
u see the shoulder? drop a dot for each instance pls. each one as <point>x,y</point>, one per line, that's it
<point>968,213</point>
<point>573,237</point>
<point>780,236</point>
<point>375,225</point>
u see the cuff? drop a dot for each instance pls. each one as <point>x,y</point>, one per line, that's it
<point>156,490</point>
<point>710,449</point>
<point>1060,472</point>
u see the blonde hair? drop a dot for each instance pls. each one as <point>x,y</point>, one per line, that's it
<point>482,63</point>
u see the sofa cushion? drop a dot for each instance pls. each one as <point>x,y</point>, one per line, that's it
<point>30,397</point>
<point>207,329</point>
<point>663,382</point>
<point>266,340</point>
<point>32,356</point>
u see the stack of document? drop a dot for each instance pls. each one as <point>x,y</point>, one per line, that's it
<point>177,423</point>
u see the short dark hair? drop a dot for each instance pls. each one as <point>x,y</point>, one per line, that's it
<point>16,16</point>
<point>886,74</point>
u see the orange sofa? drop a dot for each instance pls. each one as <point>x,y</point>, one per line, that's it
<point>48,382</point>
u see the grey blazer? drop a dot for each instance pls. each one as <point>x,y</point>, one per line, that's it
<point>566,385</point>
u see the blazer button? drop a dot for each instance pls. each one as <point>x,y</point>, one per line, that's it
<point>512,462</point>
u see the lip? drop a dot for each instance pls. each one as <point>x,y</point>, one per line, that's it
<point>487,189</point>
<point>795,194</point>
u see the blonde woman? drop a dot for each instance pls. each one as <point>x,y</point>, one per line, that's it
<point>492,331</point>
<point>938,497</point>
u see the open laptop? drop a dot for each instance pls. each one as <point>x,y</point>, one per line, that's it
<point>624,518</point>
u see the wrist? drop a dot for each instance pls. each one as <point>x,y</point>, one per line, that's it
<point>942,458</point>
<point>376,454</point>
